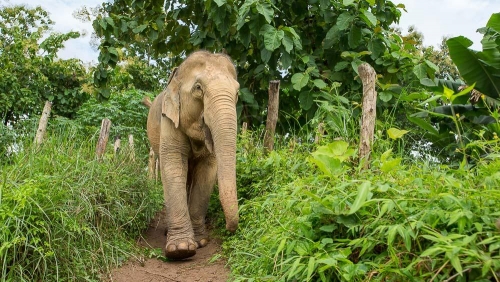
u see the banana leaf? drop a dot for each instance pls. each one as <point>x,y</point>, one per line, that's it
<point>480,67</point>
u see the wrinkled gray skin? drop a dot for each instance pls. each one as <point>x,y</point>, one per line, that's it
<point>192,127</point>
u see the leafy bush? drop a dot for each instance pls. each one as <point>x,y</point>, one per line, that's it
<point>399,221</point>
<point>30,72</point>
<point>67,217</point>
<point>126,112</point>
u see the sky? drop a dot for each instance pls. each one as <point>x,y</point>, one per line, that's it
<point>434,18</point>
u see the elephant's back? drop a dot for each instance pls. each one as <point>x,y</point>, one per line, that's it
<point>154,120</point>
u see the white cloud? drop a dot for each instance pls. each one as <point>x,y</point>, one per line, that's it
<point>434,18</point>
<point>439,18</point>
<point>61,12</point>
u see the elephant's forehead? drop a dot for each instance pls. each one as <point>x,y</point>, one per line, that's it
<point>209,66</point>
<point>210,73</point>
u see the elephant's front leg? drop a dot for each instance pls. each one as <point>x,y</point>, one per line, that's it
<point>174,152</point>
<point>203,180</point>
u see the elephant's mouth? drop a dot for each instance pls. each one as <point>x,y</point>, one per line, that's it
<point>209,141</point>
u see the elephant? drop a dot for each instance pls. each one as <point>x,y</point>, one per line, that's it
<point>192,127</point>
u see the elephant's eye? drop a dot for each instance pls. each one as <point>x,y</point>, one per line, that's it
<point>197,90</point>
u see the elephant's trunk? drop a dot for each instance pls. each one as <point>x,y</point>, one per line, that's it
<point>220,114</point>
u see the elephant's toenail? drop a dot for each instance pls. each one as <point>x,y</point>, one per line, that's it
<point>171,248</point>
<point>182,246</point>
<point>192,247</point>
<point>203,242</point>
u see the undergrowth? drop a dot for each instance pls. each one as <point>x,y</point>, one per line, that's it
<point>66,216</point>
<point>319,217</point>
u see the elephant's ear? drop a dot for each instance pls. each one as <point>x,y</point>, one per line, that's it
<point>171,101</point>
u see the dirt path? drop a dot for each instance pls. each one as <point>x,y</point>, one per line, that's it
<point>203,267</point>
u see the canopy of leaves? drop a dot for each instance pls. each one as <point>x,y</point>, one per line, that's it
<point>30,72</point>
<point>305,43</point>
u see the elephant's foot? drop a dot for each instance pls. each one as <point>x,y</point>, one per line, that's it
<point>180,248</point>
<point>200,235</point>
<point>201,241</point>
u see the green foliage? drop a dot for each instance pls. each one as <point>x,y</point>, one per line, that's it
<point>126,112</point>
<point>258,173</point>
<point>306,44</point>
<point>482,67</point>
<point>65,216</point>
<point>395,222</point>
<point>30,72</point>
<point>458,118</point>
<point>137,74</point>
<point>336,114</point>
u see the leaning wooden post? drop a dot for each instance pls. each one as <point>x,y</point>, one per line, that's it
<point>244,128</point>
<point>103,138</point>
<point>319,133</point>
<point>131,147</point>
<point>368,77</point>
<point>42,125</point>
<point>151,164</point>
<point>272,114</point>
<point>117,144</point>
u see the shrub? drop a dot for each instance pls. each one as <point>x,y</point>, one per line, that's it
<point>67,217</point>
<point>394,222</point>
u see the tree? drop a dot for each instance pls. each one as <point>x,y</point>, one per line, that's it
<point>30,71</point>
<point>139,67</point>
<point>306,44</point>
<point>441,57</point>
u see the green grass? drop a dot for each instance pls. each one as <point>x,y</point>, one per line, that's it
<point>401,220</point>
<point>307,213</point>
<point>67,217</point>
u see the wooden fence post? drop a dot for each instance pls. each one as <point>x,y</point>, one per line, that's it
<point>368,77</point>
<point>244,128</point>
<point>103,138</point>
<point>42,125</point>
<point>131,147</point>
<point>117,144</point>
<point>272,114</point>
<point>319,133</point>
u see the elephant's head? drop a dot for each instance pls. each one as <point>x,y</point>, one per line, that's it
<point>201,101</point>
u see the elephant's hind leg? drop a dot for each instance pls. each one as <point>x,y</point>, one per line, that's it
<point>203,180</point>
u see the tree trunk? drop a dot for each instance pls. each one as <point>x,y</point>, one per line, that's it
<point>103,138</point>
<point>368,76</point>
<point>272,114</point>
<point>42,125</point>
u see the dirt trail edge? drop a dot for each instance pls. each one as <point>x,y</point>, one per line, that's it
<point>202,267</point>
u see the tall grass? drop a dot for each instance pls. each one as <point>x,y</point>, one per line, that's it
<point>402,220</point>
<point>66,217</point>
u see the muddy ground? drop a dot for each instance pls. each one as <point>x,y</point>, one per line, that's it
<point>206,266</point>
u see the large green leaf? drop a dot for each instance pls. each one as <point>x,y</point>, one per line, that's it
<point>306,100</point>
<point>266,10</point>
<point>332,37</point>
<point>300,80</point>
<point>494,22</point>
<point>472,69</point>
<point>344,20</point>
<point>272,37</point>
<point>423,124</point>
<point>368,18</point>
